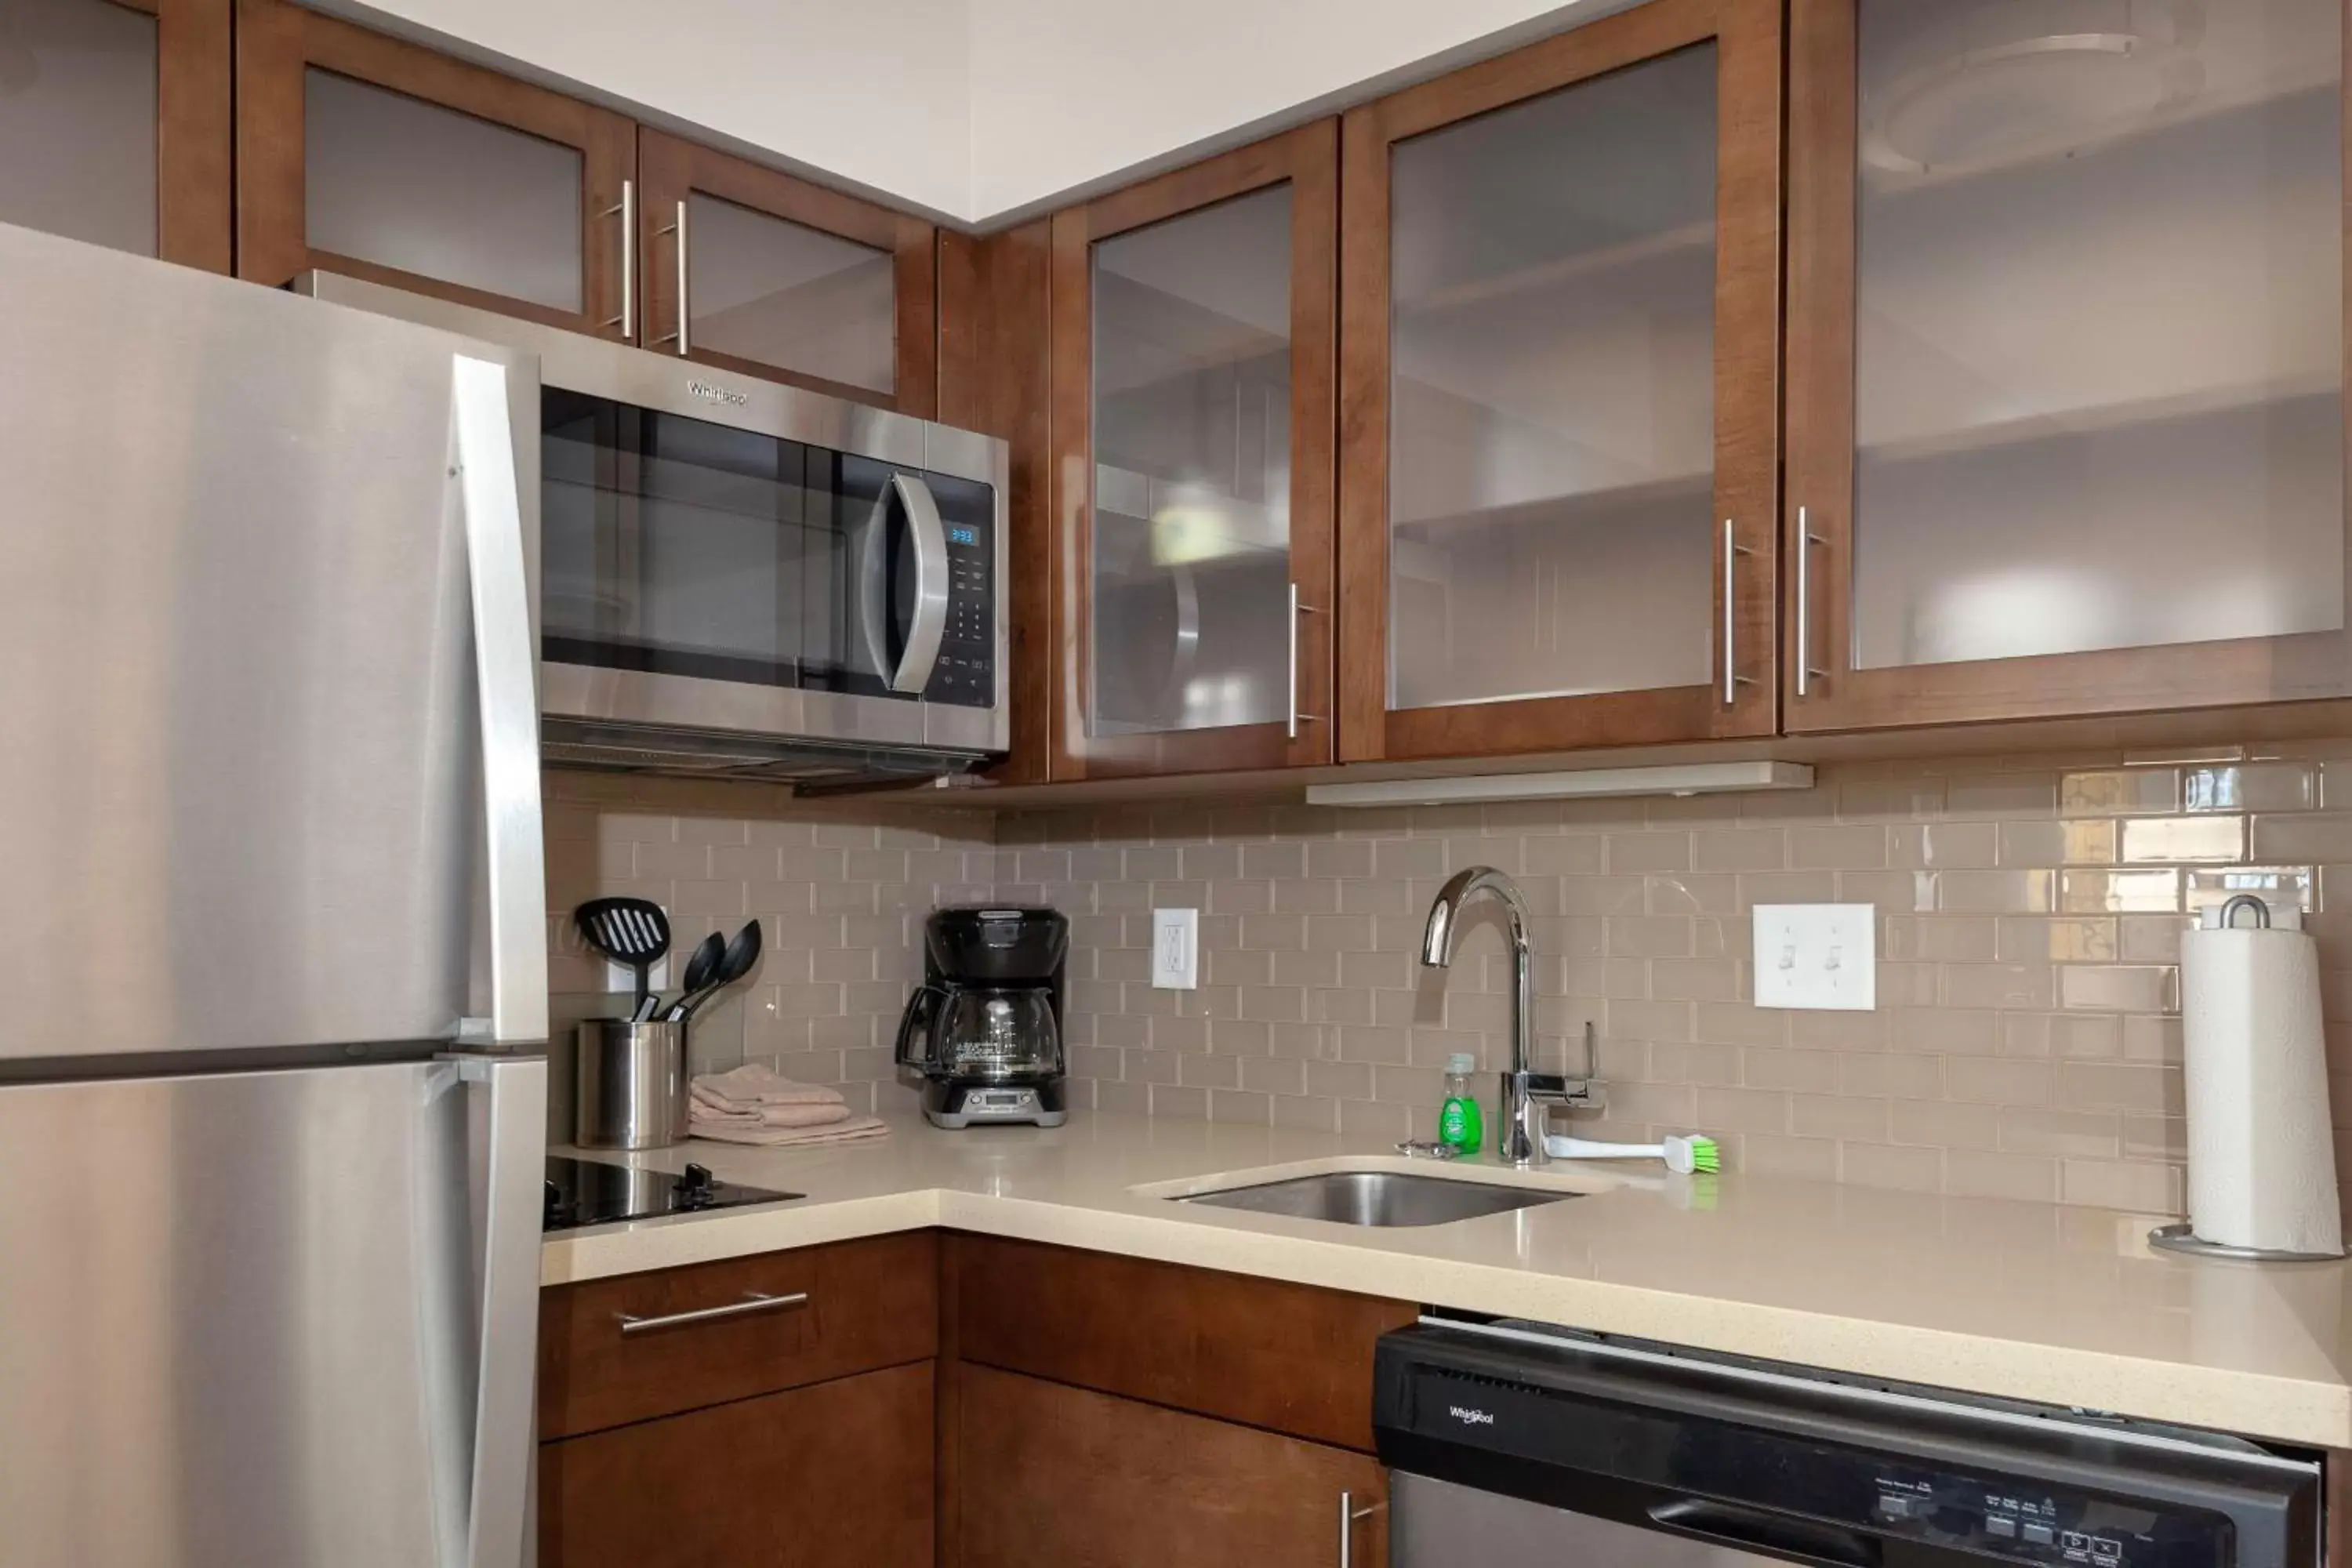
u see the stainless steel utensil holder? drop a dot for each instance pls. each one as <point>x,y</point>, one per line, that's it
<point>632,1085</point>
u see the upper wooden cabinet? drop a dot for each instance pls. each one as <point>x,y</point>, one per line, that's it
<point>1559,397</point>
<point>2065,358</point>
<point>116,122</point>
<point>1192,331</point>
<point>362,154</point>
<point>784,280</point>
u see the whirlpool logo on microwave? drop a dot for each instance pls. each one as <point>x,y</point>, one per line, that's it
<point>1469,1417</point>
<point>725,395</point>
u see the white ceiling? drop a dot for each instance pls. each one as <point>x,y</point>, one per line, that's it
<point>978,112</point>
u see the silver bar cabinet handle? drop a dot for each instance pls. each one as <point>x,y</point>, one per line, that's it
<point>1806,540</point>
<point>1348,1514</point>
<point>1732,679</point>
<point>677,227</point>
<point>1290,727</point>
<point>753,1302</point>
<point>626,211</point>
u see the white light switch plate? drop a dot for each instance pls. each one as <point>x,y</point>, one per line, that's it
<point>1817,955</point>
<point>1176,950</point>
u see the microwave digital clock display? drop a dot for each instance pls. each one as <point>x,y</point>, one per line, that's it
<point>963,536</point>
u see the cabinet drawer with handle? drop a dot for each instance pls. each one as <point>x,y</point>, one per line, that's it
<point>643,1345</point>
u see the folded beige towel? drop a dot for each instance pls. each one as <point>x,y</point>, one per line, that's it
<point>701,1112</point>
<point>755,1084</point>
<point>854,1129</point>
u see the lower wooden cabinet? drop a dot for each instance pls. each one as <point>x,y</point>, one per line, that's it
<point>828,1476</point>
<point>928,1401</point>
<point>1045,1473</point>
<point>1289,1358</point>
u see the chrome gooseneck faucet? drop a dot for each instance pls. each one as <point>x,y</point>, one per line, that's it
<point>1527,1096</point>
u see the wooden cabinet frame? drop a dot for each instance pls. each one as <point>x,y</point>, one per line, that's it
<point>1819,503</point>
<point>670,170</point>
<point>277,42</point>
<point>1306,159</point>
<point>1747,391</point>
<point>996,376</point>
<point>192,135</point>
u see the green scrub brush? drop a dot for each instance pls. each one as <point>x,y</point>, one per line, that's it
<point>1683,1155</point>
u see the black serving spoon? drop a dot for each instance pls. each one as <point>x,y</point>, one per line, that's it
<point>741,954</point>
<point>702,966</point>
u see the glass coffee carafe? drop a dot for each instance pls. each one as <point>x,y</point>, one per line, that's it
<point>986,1034</point>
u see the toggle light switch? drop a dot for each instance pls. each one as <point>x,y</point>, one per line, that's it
<point>1817,955</point>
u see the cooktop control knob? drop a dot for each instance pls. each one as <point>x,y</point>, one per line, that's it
<point>698,1181</point>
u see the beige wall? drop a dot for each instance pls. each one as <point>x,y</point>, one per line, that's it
<point>2027,1043</point>
<point>2028,1040</point>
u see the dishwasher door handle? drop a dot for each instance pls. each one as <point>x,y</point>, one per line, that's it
<point>1750,1527</point>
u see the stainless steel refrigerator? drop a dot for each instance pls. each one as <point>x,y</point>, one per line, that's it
<point>273,997</point>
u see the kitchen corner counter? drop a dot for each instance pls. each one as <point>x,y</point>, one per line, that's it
<point>2066,1306</point>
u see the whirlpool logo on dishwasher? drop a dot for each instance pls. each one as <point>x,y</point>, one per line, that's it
<point>1469,1417</point>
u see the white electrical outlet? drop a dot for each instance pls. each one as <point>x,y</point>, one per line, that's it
<point>620,977</point>
<point>1176,950</point>
<point>1817,955</point>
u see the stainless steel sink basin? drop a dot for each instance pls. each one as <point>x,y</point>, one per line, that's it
<point>1379,1197</point>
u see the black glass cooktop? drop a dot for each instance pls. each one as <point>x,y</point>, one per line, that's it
<point>588,1192</point>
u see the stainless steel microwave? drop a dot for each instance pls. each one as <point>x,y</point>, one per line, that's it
<point>740,578</point>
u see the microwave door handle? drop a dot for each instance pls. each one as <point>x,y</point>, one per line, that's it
<point>873,546</point>
<point>482,464</point>
<point>931,619</point>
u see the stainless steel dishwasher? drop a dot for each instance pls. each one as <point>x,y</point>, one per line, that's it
<point>1518,1443</point>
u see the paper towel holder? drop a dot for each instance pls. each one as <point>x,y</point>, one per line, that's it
<point>2246,902</point>
<point>2177,1236</point>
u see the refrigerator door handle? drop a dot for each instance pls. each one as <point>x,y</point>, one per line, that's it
<point>507,1119</point>
<point>482,461</point>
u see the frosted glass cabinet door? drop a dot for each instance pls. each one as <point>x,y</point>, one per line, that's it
<point>365,155</point>
<point>2066,356</point>
<point>1558,480</point>
<point>115,115</point>
<point>1193,410</point>
<point>784,280</point>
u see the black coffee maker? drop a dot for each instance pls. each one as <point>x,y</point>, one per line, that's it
<point>986,1029</point>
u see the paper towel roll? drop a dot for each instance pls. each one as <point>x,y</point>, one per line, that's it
<point>2262,1152</point>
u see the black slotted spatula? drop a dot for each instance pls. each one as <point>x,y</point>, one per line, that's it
<point>634,931</point>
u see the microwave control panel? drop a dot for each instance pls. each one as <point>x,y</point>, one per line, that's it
<point>965,675</point>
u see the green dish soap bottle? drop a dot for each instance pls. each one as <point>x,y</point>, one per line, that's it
<point>1460,1127</point>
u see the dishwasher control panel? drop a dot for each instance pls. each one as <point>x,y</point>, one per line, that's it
<point>2036,1523</point>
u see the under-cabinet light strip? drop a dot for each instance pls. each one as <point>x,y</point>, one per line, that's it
<point>1676,778</point>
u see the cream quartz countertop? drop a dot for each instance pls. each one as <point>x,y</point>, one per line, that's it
<point>2037,1301</point>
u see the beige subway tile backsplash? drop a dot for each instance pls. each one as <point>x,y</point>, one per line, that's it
<point>2031,910</point>
<point>2030,913</point>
